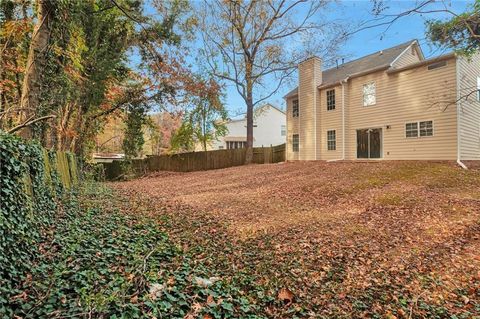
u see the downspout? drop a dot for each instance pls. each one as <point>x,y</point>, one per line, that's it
<point>343,117</point>
<point>315,92</point>
<point>342,82</point>
<point>459,161</point>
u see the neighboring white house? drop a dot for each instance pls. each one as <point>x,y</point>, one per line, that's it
<point>269,128</point>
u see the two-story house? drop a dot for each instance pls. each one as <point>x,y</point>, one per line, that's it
<point>393,104</point>
<point>269,128</point>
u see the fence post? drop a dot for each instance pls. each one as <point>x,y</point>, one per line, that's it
<point>271,153</point>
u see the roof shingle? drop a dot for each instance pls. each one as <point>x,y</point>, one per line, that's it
<point>367,63</point>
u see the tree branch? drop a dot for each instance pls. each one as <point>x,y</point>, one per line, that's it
<point>29,122</point>
<point>392,20</point>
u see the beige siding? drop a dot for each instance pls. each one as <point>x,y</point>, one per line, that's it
<point>411,95</point>
<point>309,79</point>
<point>348,140</point>
<point>329,120</point>
<point>408,96</point>
<point>410,56</point>
<point>469,108</point>
<point>292,128</point>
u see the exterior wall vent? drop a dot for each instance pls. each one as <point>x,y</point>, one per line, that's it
<point>437,65</point>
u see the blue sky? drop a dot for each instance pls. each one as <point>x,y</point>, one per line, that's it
<point>366,41</point>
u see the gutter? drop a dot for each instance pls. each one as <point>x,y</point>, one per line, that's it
<point>290,95</point>
<point>459,159</point>
<point>315,92</point>
<point>461,164</point>
<point>422,63</point>
<point>343,82</point>
<point>354,75</point>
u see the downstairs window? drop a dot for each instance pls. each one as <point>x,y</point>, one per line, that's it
<point>295,142</point>
<point>419,129</point>
<point>331,140</point>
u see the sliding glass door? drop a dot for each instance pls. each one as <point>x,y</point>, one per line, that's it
<point>369,143</point>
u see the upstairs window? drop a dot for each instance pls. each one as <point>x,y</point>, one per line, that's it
<point>331,140</point>
<point>295,110</point>
<point>331,100</point>
<point>295,142</point>
<point>283,130</point>
<point>478,89</point>
<point>369,94</point>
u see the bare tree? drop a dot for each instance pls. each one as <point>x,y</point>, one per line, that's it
<point>382,20</point>
<point>256,45</point>
<point>446,28</point>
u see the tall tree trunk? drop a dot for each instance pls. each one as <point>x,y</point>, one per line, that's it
<point>204,128</point>
<point>2,104</point>
<point>249,101</point>
<point>35,61</point>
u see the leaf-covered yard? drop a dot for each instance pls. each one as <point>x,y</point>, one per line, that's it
<point>311,239</point>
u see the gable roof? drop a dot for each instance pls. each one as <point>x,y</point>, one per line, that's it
<point>243,116</point>
<point>378,60</point>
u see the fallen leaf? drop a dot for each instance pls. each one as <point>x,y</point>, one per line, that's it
<point>203,282</point>
<point>285,295</point>
<point>171,281</point>
<point>391,315</point>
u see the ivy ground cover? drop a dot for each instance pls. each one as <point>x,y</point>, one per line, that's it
<point>101,260</point>
<point>325,240</point>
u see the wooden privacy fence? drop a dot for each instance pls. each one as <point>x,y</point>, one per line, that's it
<point>198,161</point>
<point>60,169</point>
<point>63,165</point>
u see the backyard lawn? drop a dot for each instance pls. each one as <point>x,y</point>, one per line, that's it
<point>314,239</point>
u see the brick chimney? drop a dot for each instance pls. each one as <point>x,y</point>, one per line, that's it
<point>309,78</point>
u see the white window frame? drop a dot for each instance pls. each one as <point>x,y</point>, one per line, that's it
<point>373,127</point>
<point>374,93</point>
<point>298,143</point>
<point>405,128</point>
<point>334,140</point>
<point>334,105</point>
<point>296,114</point>
<point>418,129</point>
<point>478,88</point>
